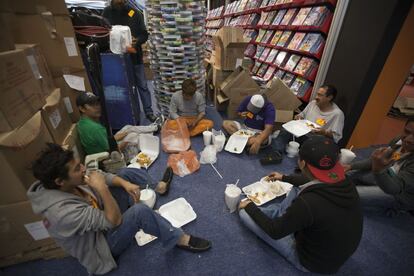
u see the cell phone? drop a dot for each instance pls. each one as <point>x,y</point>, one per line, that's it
<point>249,115</point>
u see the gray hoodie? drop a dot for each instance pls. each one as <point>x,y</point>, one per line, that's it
<point>75,225</point>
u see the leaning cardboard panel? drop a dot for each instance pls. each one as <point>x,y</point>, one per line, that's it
<point>55,36</point>
<point>56,7</point>
<point>56,117</point>
<point>72,142</point>
<point>6,36</point>
<point>39,67</point>
<point>18,149</point>
<point>281,96</point>
<point>16,222</point>
<point>20,93</point>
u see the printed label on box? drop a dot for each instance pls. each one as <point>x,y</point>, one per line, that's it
<point>33,65</point>
<point>55,118</point>
<point>68,105</point>
<point>37,230</point>
<point>71,46</point>
<point>75,82</point>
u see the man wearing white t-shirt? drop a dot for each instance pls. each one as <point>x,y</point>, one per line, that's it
<point>325,113</point>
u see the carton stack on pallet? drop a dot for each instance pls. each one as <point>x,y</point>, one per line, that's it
<point>40,65</point>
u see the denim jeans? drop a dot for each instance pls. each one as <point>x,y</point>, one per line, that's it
<point>135,217</point>
<point>144,93</point>
<point>286,246</point>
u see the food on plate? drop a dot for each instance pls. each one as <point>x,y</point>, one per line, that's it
<point>254,198</point>
<point>310,125</point>
<point>275,188</point>
<point>143,159</point>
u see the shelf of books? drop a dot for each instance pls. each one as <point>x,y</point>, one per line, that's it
<point>287,38</point>
<point>214,21</point>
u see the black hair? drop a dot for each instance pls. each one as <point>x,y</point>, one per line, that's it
<point>330,91</point>
<point>410,119</point>
<point>189,86</point>
<point>51,164</point>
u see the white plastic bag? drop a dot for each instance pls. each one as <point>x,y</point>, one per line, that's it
<point>208,155</point>
<point>119,39</point>
<point>182,168</point>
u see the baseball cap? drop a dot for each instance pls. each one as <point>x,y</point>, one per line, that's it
<point>256,103</point>
<point>86,98</point>
<point>321,155</point>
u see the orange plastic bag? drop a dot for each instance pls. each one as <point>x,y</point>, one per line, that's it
<point>184,163</point>
<point>175,136</point>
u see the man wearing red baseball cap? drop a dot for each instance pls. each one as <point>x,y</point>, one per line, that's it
<point>318,226</point>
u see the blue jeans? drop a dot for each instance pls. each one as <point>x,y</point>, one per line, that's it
<point>285,246</point>
<point>138,216</point>
<point>144,93</point>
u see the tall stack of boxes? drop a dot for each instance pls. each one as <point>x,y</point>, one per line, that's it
<point>40,68</point>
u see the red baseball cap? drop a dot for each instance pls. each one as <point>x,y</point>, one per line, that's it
<point>321,155</point>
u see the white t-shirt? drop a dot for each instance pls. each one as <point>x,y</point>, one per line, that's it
<point>332,120</point>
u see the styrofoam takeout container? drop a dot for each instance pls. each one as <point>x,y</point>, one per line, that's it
<point>178,212</point>
<point>150,146</point>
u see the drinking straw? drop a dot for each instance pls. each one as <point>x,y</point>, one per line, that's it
<point>237,182</point>
<point>351,147</point>
<point>216,170</point>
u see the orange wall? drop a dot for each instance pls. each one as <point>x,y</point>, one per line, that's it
<point>387,87</point>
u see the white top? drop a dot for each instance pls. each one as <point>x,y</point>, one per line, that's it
<point>332,120</point>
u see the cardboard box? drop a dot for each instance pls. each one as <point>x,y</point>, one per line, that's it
<point>281,96</point>
<point>39,67</point>
<point>18,234</point>
<point>20,93</point>
<point>72,142</point>
<point>57,7</point>
<point>18,149</point>
<point>221,101</point>
<point>6,37</point>
<point>56,38</point>
<point>69,94</point>
<point>229,45</point>
<point>55,117</point>
<point>219,76</point>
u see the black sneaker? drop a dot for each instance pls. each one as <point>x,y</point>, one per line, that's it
<point>196,245</point>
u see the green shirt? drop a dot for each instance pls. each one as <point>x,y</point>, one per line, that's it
<point>93,136</point>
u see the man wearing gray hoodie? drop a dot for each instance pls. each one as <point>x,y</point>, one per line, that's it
<point>85,219</point>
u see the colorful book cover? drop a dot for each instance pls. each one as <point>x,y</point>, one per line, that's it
<point>272,55</point>
<point>309,41</point>
<point>299,85</point>
<point>316,16</point>
<point>262,18</point>
<point>296,40</point>
<point>262,70</point>
<point>276,37</point>
<point>279,61</point>
<point>250,50</point>
<point>267,36</point>
<point>279,17</point>
<point>260,35</point>
<point>263,56</point>
<point>304,66</point>
<point>269,18</point>
<point>256,66</point>
<point>301,16</point>
<point>259,51</point>
<point>269,73</point>
<point>317,45</point>
<point>279,74</point>
<point>287,19</point>
<point>292,62</point>
<point>264,3</point>
<point>288,78</point>
<point>284,39</point>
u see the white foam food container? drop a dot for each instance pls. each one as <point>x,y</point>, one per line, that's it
<point>178,212</point>
<point>236,143</point>
<point>264,191</point>
<point>150,149</point>
<point>299,127</point>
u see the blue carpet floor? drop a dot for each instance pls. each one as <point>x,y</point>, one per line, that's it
<point>386,247</point>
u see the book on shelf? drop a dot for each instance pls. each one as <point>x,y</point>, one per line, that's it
<point>267,36</point>
<point>260,35</point>
<point>253,19</point>
<point>269,18</point>
<point>287,19</point>
<point>276,37</point>
<point>301,16</point>
<point>284,39</point>
<point>265,53</point>
<point>264,3</point>
<point>299,86</point>
<point>263,17</point>
<point>280,59</point>
<point>311,42</point>
<point>296,40</point>
<point>305,66</point>
<point>259,51</point>
<point>288,78</point>
<point>279,16</point>
<point>262,70</point>
<point>272,55</point>
<point>249,34</point>
<point>316,16</point>
<point>250,50</point>
<point>256,67</point>
<point>278,2</point>
<point>269,73</point>
<point>271,2</point>
<point>279,74</point>
<point>292,62</point>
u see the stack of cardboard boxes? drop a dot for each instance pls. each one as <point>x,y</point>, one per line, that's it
<point>40,64</point>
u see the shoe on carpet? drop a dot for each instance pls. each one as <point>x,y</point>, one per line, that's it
<point>167,179</point>
<point>196,245</point>
<point>151,117</point>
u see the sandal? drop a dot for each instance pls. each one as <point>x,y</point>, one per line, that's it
<point>196,245</point>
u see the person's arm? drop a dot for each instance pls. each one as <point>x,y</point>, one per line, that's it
<point>296,179</point>
<point>141,33</point>
<point>242,109</point>
<point>297,217</point>
<point>260,138</point>
<point>173,108</point>
<point>111,209</point>
<point>201,108</point>
<point>363,165</point>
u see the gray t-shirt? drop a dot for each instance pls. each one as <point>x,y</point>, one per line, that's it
<point>180,107</point>
<point>332,120</point>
